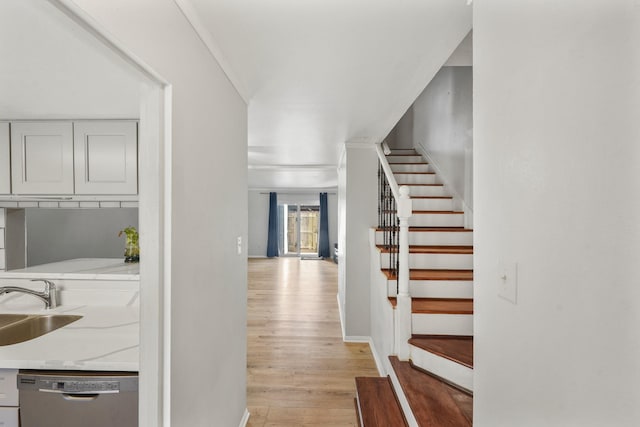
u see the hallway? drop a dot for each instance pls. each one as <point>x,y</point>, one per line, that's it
<point>299,371</point>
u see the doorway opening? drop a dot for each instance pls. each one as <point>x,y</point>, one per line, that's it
<point>298,229</point>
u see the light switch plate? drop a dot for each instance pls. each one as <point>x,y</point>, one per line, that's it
<point>508,282</point>
<point>239,244</point>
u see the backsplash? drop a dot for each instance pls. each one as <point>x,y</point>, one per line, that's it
<point>37,235</point>
<point>2,244</point>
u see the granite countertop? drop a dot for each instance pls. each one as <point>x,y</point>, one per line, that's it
<point>104,292</point>
<point>79,269</point>
<point>106,338</point>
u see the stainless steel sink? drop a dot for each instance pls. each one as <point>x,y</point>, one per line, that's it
<point>31,326</point>
<point>6,319</point>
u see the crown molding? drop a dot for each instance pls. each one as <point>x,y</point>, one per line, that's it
<point>191,14</point>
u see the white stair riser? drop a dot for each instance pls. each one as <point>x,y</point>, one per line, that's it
<point>442,324</point>
<point>435,288</point>
<point>434,261</point>
<point>432,204</point>
<point>444,368</point>
<point>435,238</point>
<point>415,167</point>
<point>415,178</point>
<point>427,190</point>
<point>436,220</point>
<point>404,159</point>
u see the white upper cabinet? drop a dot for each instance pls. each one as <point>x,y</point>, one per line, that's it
<point>65,158</point>
<point>5,161</point>
<point>106,157</point>
<point>42,158</point>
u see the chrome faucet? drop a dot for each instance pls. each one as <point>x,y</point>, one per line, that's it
<point>48,296</point>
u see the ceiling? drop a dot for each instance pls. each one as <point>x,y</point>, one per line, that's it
<point>319,73</point>
<point>315,73</point>
<point>51,69</point>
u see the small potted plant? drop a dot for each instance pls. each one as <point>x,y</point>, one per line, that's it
<point>132,247</point>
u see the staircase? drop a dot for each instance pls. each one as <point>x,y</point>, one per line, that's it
<point>433,388</point>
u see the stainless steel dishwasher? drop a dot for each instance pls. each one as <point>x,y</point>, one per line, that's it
<point>78,399</point>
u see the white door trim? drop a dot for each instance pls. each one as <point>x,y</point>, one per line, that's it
<point>155,225</point>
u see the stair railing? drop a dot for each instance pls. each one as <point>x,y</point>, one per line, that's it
<point>394,211</point>
<point>388,221</point>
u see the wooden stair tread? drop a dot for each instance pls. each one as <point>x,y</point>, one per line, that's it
<point>414,173</point>
<point>419,249</point>
<point>434,229</point>
<point>429,212</point>
<point>431,197</point>
<point>438,229</point>
<point>442,305</point>
<point>433,402</point>
<point>424,274</point>
<point>458,349</point>
<point>404,154</point>
<point>377,403</point>
<point>439,305</point>
<point>408,163</point>
<point>437,212</point>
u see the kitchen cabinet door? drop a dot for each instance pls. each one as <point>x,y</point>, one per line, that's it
<point>9,417</point>
<point>42,158</point>
<point>8,387</point>
<point>106,157</point>
<point>5,161</point>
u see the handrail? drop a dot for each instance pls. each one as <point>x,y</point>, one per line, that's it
<point>402,211</point>
<point>387,171</point>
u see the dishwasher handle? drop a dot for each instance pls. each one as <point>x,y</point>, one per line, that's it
<point>79,393</point>
<point>80,397</point>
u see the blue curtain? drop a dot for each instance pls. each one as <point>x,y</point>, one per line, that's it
<point>324,250</point>
<point>272,239</point>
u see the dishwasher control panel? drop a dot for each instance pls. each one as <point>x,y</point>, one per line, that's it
<point>77,384</point>
<point>90,386</point>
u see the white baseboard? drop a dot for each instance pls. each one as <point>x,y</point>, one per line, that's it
<point>376,357</point>
<point>256,256</point>
<point>245,418</point>
<point>357,339</point>
<point>341,314</point>
<point>361,339</point>
<point>372,347</point>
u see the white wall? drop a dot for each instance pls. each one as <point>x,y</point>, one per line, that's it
<point>443,127</point>
<point>556,107</point>
<point>208,207</point>
<point>258,223</point>
<point>401,136</point>
<point>463,55</point>
<point>382,314</point>
<point>342,237</point>
<point>360,212</point>
<point>440,123</point>
<point>259,216</point>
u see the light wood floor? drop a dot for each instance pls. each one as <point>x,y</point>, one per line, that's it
<point>299,371</point>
